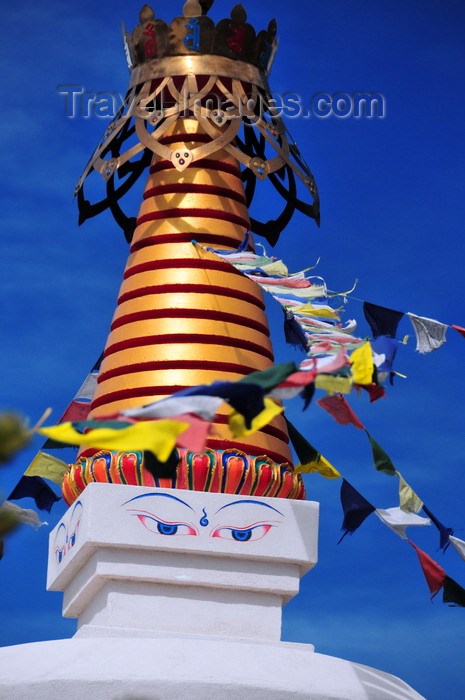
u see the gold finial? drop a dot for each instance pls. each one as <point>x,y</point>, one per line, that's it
<point>192,8</point>
<point>146,14</point>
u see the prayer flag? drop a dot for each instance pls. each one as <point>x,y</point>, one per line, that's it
<point>320,465</point>
<point>307,395</point>
<point>356,508</point>
<point>293,332</point>
<point>334,382</point>
<point>237,423</point>
<point>375,391</point>
<point>459,330</point>
<point>195,436</point>
<point>382,461</point>
<point>295,384</point>
<point>444,532</point>
<point>382,321</point>
<point>158,437</point>
<point>205,407</point>
<point>408,499</point>
<point>87,389</point>
<point>245,397</point>
<point>47,466</point>
<point>434,573</point>
<point>453,593</point>
<point>387,347</point>
<point>458,545</point>
<point>398,520</point>
<point>430,334</point>
<point>158,469</point>
<point>36,488</point>
<point>310,459</point>
<point>272,377</point>
<point>362,364</point>
<point>77,410</point>
<point>340,410</point>
<point>331,363</point>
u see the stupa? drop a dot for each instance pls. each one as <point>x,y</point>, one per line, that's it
<point>177,571</point>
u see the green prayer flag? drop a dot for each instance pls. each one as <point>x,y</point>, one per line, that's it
<point>304,450</point>
<point>382,462</point>
<point>269,378</point>
<point>310,459</point>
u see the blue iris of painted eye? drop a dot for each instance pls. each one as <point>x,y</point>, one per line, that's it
<point>165,529</point>
<point>241,535</point>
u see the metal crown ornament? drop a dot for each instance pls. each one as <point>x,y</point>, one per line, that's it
<point>216,74</point>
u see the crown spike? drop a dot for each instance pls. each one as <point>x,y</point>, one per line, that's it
<point>238,14</point>
<point>192,8</point>
<point>272,27</point>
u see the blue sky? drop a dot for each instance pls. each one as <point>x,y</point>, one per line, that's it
<point>392,217</point>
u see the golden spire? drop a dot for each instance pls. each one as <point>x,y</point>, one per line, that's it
<point>186,318</point>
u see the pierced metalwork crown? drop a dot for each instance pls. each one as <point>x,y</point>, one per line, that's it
<point>217,75</point>
<point>195,34</point>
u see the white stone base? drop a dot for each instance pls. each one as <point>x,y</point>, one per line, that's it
<point>187,668</point>
<point>178,596</point>
<point>119,573</point>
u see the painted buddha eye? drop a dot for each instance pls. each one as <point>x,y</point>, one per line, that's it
<point>60,553</point>
<point>243,534</point>
<point>161,527</point>
<point>72,537</point>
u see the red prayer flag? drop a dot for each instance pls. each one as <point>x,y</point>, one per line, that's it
<point>76,411</point>
<point>340,410</point>
<point>298,379</point>
<point>195,436</point>
<point>459,330</point>
<point>374,390</point>
<point>434,574</point>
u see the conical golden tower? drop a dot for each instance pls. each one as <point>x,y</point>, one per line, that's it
<point>185,317</point>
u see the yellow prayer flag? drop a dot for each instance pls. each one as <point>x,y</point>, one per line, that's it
<point>48,467</point>
<point>332,383</point>
<point>322,466</point>
<point>277,267</point>
<point>237,421</point>
<point>325,312</point>
<point>362,364</point>
<point>158,437</point>
<point>408,499</point>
